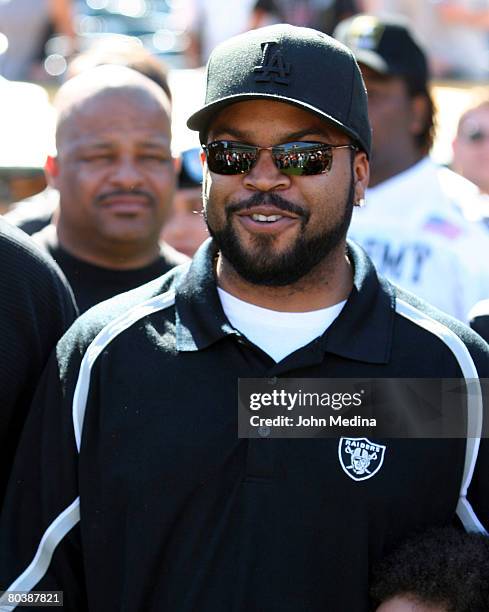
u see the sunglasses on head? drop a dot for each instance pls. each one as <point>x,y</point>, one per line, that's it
<point>291,158</point>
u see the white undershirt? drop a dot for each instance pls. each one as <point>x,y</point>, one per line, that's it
<point>277,333</point>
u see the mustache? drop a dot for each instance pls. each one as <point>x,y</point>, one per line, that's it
<point>274,199</point>
<point>100,199</point>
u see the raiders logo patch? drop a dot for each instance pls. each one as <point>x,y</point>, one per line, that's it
<point>360,458</point>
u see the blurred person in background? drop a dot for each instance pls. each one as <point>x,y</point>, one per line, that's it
<point>34,213</point>
<point>185,229</point>
<point>454,33</point>
<point>414,225</point>
<point>26,124</point>
<point>122,52</point>
<point>322,15</point>
<point>442,569</point>
<point>24,27</point>
<point>471,146</point>
<point>115,176</point>
<point>210,22</point>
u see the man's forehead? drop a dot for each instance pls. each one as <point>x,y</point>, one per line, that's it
<point>115,103</point>
<point>126,116</point>
<point>476,115</point>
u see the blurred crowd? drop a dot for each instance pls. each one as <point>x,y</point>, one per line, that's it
<point>169,42</point>
<point>113,192</point>
<point>444,49</point>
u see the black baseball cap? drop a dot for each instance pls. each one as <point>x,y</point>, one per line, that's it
<point>386,45</point>
<point>298,66</point>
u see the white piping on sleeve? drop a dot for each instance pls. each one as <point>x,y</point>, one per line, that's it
<point>103,338</point>
<point>474,403</point>
<point>39,565</point>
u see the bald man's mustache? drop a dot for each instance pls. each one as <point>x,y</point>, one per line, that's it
<point>140,193</point>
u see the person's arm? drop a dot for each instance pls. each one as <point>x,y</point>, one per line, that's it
<point>39,528</point>
<point>36,308</point>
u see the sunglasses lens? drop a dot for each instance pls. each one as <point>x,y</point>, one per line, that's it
<point>303,159</point>
<point>293,159</point>
<point>229,158</point>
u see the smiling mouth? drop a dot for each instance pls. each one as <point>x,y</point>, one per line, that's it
<point>265,218</point>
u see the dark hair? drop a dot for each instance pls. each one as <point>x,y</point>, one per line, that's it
<point>425,138</point>
<point>123,53</point>
<point>442,566</point>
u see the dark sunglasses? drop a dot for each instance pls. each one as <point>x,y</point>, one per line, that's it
<point>291,158</point>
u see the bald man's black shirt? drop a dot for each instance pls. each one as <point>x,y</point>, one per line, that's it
<point>92,284</point>
<point>140,478</point>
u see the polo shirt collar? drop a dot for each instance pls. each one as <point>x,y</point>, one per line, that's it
<point>200,319</point>
<point>362,331</point>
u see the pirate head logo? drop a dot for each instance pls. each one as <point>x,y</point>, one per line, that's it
<point>360,458</point>
<point>272,67</point>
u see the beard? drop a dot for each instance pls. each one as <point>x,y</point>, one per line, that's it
<point>261,265</point>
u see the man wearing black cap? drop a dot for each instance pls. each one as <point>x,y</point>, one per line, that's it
<point>150,489</point>
<point>417,224</point>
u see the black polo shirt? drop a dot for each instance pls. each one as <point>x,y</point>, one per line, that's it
<point>137,435</point>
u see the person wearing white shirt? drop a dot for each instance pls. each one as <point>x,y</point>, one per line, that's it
<point>421,221</point>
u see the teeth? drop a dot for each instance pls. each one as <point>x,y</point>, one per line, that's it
<point>269,219</point>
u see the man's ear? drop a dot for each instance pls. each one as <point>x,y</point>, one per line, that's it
<point>51,169</point>
<point>361,175</point>
<point>419,110</point>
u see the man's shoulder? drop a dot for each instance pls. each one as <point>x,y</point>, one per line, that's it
<point>27,262</point>
<point>118,313</point>
<point>34,213</point>
<point>440,327</point>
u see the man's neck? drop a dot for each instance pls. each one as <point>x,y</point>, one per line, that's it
<point>115,256</point>
<point>329,283</point>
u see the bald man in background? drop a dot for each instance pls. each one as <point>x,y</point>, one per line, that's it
<point>116,178</point>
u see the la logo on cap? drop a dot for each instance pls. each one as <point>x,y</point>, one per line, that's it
<point>272,68</point>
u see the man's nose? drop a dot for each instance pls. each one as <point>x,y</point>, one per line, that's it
<point>265,176</point>
<point>126,174</point>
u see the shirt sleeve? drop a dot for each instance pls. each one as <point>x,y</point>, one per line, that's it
<point>36,308</point>
<point>39,526</point>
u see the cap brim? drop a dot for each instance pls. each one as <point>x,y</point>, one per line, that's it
<point>201,119</point>
<point>372,60</point>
